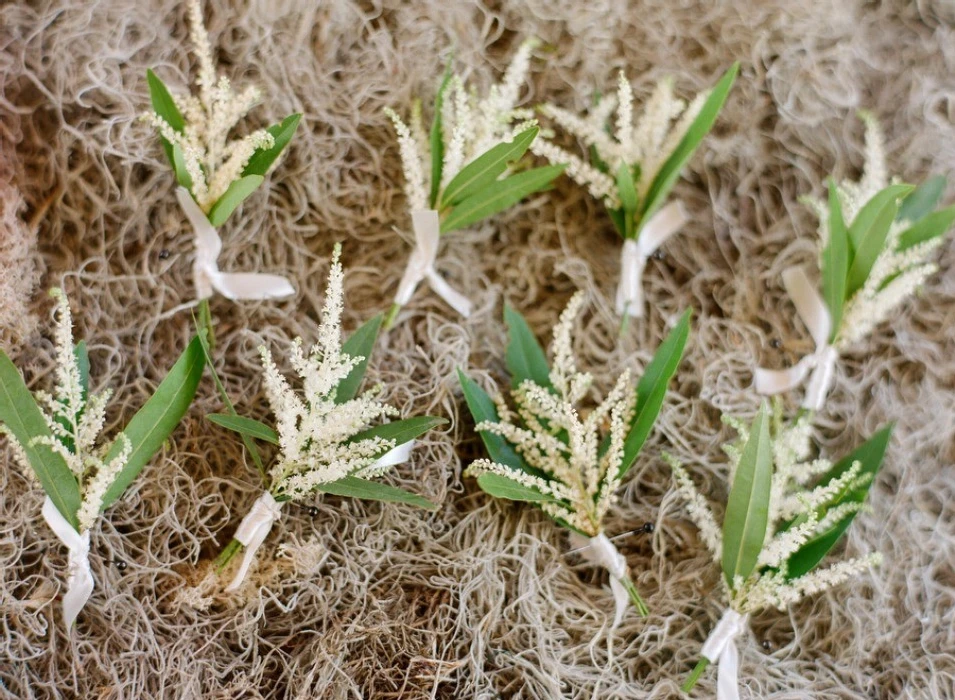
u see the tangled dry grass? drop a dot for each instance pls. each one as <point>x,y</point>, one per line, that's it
<point>479,599</point>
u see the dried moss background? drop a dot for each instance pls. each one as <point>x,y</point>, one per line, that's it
<point>481,598</point>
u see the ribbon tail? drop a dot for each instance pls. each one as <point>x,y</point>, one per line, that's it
<point>776,381</point>
<point>727,679</point>
<point>248,556</point>
<point>454,298</point>
<point>621,599</point>
<point>250,285</point>
<point>821,380</point>
<point>662,226</point>
<point>629,299</point>
<point>79,588</point>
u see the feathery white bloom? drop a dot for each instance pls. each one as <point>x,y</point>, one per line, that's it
<point>213,164</point>
<point>796,515</point>
<point>553,437</point>
<point>76,420</point>
<point>316,432</point>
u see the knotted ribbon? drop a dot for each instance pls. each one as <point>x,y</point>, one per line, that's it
<point>600,551</point>
<point>821,363</point>
<point>79,585</point>
<point>257,523</point>
<point>427,233</point>
<point>720,647</point>
<point>633,258</point>
<point>208,278</point>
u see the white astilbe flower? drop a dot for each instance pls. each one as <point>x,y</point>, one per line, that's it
<point>470,126</point>
<point>213,163</point>
<point>643,145</point>
<point>316,432</point>
<point>75,421</point>
<point>797,513</point>
<point>897,273</point>
<point>562,443</point>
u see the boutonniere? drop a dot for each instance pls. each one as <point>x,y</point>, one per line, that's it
<point>328,436</point>
<point>215,174</point>
<point>56,438</point>
<point>556,454</point>
<point>633,166</point>
<point>464,170</point>
<point>784,513</point>
<point>877,239</point>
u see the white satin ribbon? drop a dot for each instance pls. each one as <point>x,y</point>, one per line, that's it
<point>252,531</point>
<point>79,585</point>
<point>208,278</point>
<point>427,233</point>
<point>396,455</point>
<point>720,647</point>
<point>821,363</point>
<point>600,551</point>
<point>633,258</point>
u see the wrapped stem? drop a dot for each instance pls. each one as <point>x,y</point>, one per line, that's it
<point>695,674</point>
<point>227,554</point>
<point>635,598</point>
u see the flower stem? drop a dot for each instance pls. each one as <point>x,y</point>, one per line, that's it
<point>624,322</point>
<point>226,555</point>
<point>695,674</point>
<point>205,323</point>
<point>391,316</point>
<point>635,598</point>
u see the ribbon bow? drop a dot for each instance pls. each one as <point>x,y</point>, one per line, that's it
<point>231,285</point>
<point>427,233</point>
<point>720,647</point>
<point>600,551</point>
<point>633,258</point>
<point>821,363</point>
<point>79,585</point>
<point>257,523</point>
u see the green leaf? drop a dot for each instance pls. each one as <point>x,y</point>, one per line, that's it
<point>747,510</point>
<point>401,431</point>
<point>927,228</point>
<point>923,200</point>
<point>179,167</point>
<point>163,103</point>
<point>870,455</point>
<point>869,232</point>
<point>155,421</point>
<point>835,261</point>
<point>626,189</point>
<point>652,387</point>
<point>233,197</point>
<point>263,158</point>
<point>245,426</point>
<point>81,352</point>
<point>360,344</point>
<point>500,195</point>
<point>23,418</point>
<point>502,487</point>
<point>437,138</point>
<point>483,409</point>
<point>486,168</point>
<point>525,357</point>
<point>619,219</point>
<point>354,487</point>
<point>667,176</point>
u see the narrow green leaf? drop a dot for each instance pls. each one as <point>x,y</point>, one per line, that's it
<point>83,364</point>
<point>928,227</point>
<point>619,219</point>
<point>163,103</point>
<point>500,195</point>
<point>179,167</point>
<point>870,455</point>
<point>747,510</point>
<point>263,158</point>
<point>482,408</point>
<point>923,200</point>
<point>652,387</point>
<point>245,426</point>
<point>524,356</point>
<point>159,416</point>
<point>233,197</point>
<point>835,261</point>
<point>667,176</point>
<point>437,138</point>
<point>353,487</point>
<point>626,189</point>
<point>360,344</point>
<point>502,487</point>
<point>22,417</point>
<point>486,168</point>
<point>401,431</point>
<point>868,234</point>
